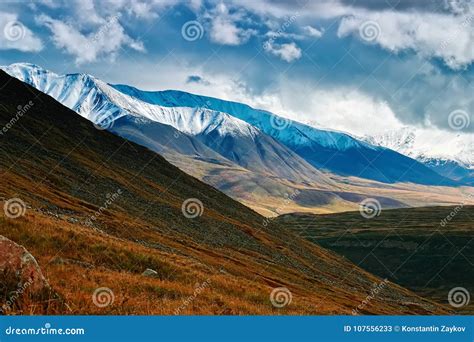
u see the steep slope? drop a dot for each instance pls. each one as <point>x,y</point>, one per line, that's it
<point>99,210</point>
<point>449,154</point>
<point>333,151</point>
<point>210,135</point>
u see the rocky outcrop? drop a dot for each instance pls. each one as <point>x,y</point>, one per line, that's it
<point>19,267</point>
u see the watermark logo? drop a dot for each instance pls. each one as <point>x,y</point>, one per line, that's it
<point>369,31</point>
<point>14,208</point>
<point>103,30</point>
<point>14,31</point>
<point>288,199</point>
<point>374,292</point>
<point>281,297</point>
<point>198,289</point>
<point>192,208</point>
<point>279,123</point>
<point>102,297</point>
<point>21,110</point>
<point>370,208</point>
<point>459,119</point>
<point>192,30</point>
<point>13,296</point>
<point>110,198</point>
<point>459,297</point>
<point>280,32</point>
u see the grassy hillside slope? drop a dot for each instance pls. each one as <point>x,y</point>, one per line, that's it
<point>101,210</point>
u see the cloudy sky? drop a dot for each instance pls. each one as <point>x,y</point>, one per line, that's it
<point>357,66</point>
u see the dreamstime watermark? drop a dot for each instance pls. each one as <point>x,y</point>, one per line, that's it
<point>454,34</point>
<point>459,297</point>
<point>374,291</point>
<point>279,123</point>
<point>451,215</point>
<point>46,330</point>
<point>280,31</point>
<point>192,208</point>
<point>14,208</point>
<point>456,210</point>
<point>110,198</point>
<point>14,31</point>
<point>21,110</point>
<point>459,119</point>
<point>192,30</point>
<point>103,30</point>
<point>281,297</point>
<point>103,297</point>
<point>370,208</point>
<point>13,296</point>
<point>369,31</point>
<point>198,289</point>
<point>288,198</point>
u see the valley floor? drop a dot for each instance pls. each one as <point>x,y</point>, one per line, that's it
<point>428,250</point>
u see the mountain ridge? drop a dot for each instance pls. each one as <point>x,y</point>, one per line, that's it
<point>449,154</point>
<point>253,168</point>
<point>64,169</point>
<point>103,105</point>
<point>326,150</point>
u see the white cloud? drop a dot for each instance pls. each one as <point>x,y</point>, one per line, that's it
<point>448,37</point>
<point>274,35</point>
<point>194,5</point>
<point>142,9</point>
<point>94,11</point>
<point>87,13</point>
<point>15,35</point>
<point>313,32</point>
<point>340,108</point>
<point>224,28</point>
<point>106,41</point>
<point>288,51</point>
<point>445,35</point>
<point>348,111</point>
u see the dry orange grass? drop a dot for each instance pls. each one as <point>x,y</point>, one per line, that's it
<point>77,260</point>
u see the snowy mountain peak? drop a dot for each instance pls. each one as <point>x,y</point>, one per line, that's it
<point>102,104</point>
<point>282,129</point>
<point>252,138</point>
<point>428,145</point>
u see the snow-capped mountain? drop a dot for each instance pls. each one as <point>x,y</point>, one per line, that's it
<point>328,150</point>
<point>450,154</point>
<point>224,131</point>
<point>207,134</point>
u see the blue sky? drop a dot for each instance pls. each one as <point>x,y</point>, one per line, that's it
<point>358,66</point>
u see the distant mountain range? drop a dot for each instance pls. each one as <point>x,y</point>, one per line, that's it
<point>449,154</point>
<point>248,153</point>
